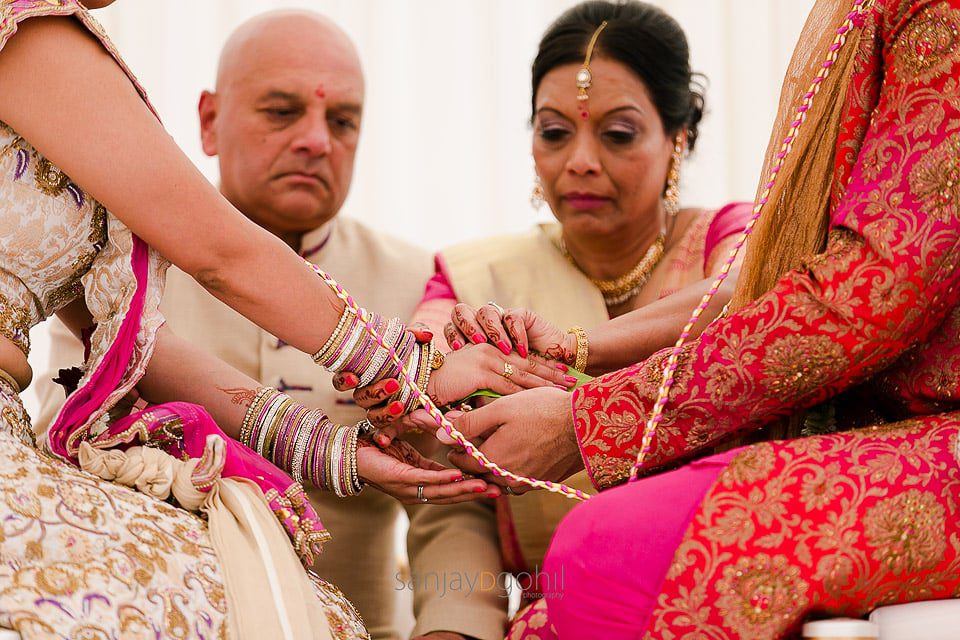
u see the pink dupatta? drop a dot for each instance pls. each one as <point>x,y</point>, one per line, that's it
<point>180,429</point>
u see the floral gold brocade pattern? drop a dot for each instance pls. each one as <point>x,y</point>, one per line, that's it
<point>87,558</point>
<point>837,524</point>
<point>873,309</point>
<point>924,49</point>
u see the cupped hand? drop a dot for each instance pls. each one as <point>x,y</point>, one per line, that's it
<point>529,433</point>
<point>398,469</point>
<point>520,329</point>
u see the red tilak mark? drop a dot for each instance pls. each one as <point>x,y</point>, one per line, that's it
<point>584,115</point>
<point>320,92</point>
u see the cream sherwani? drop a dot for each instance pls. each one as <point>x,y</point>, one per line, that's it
<point>386,275</point>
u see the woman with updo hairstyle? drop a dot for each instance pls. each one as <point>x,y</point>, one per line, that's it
<point>615,108</point>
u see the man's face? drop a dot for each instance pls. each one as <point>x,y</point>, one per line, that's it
<point>285,123</point>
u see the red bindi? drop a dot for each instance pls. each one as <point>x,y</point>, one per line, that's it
<point>320,92</point>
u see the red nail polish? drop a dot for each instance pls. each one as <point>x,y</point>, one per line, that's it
<point>522,350</point>
<point>562,367</point>
<point>477,338</point>
<point>504,347</point>
<point>383,441</point>
<point>478,489</point>
<point>392,386</point>
<point>493,494</point>
<point>457,345</point>
<point>350,380</point>
<point>570,379</point>
<point>561,387</point>
<point>396,408</point>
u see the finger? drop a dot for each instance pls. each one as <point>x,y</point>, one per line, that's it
<point>421,332</point>
<point>465,318</point>
<point>513,320</point>
<point>454,338</point>
<point>419,419</point>
<point>376,393</point>
<point>465,462</point>
<point>440,492</point>
<point>385,415</point>
<point>475,425</point>
<point>345,381</point>
<point>488,317</point>
<point>534,372</point>
<point>515,488</point>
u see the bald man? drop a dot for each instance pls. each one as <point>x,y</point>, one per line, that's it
<point>284,122</point>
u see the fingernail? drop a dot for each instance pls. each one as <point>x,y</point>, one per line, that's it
<point>493,494</point>
<point>504,347</point>
<point>458,478</point>
<point>561,387</point>
<point>444,437</point>
<point>522,350</point>
<point>478,489</point>
<point>383,441</point>
<point>392,386</point>
<point>396,408</point>
<point>350,380</point>
<point>570,379</point>
<point>477,338</point>
<point>457,345</point>
<point>562,367</point>
<point>424,336</point>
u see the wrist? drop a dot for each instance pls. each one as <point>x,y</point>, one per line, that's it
<point>302,442</point>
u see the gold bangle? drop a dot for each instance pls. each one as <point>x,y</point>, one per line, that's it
<point>583,348</point>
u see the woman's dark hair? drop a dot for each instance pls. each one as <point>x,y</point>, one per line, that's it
<point>644,39</point>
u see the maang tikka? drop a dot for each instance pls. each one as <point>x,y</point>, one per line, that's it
<point>584,77</point>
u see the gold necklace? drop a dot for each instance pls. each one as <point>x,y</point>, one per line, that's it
<point>619,290</point>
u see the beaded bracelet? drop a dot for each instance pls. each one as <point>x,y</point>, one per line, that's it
<point>302,441</point>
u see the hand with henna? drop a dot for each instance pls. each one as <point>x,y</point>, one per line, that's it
<point>465,371</point>
<point>520,329</point>
<point>398,468</point>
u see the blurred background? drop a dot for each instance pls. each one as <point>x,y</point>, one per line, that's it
<point>444,153</point>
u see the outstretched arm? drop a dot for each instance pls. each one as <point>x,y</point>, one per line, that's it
<point>64,93</point>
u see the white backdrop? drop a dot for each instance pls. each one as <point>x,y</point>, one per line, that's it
<point>445,146</point>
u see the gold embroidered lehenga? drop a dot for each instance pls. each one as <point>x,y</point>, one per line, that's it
<point>79,556</point>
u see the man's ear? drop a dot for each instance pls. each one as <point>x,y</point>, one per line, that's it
<point>208,118</point>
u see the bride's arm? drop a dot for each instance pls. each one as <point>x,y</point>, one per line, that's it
<point>66,95</point>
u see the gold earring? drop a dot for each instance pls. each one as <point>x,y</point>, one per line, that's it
<point>671,195</point>
<point>536,196</point>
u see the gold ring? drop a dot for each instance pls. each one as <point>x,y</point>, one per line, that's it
<point>496,306</point>
<point>507,370</point>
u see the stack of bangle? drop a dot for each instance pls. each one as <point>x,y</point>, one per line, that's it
<point>302,441</point>
<point>351,348</point>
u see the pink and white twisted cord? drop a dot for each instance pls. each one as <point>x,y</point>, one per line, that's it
<point>435,413</point>
<point>859,8</point>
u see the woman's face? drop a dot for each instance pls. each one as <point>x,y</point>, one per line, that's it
<point>602,175</point>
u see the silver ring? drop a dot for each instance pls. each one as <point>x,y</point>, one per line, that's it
<point>497,307</point>
<point>507,489</point>
<point>420,495</point>
<point>366,427</point>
